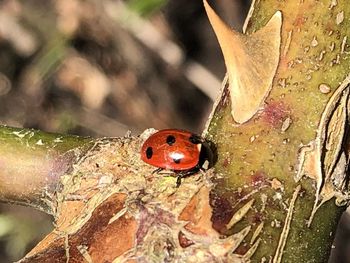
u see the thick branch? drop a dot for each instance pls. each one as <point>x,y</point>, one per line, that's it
<point>299,130</point>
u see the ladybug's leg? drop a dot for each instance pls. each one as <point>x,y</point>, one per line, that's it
<point>181,175</point>
<point>178,180</point>
<point>163,171</point>
<point>157,170</point>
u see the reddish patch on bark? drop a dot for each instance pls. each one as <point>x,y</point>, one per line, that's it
<point>189,211</point>
<point>184,241</point>
<point>258,179</point>
<point>299,21</point>
<point>147,220</point>
<point>329,27</point>
<point>102,240</point>
<point>257,218</point>
<point>242,249</point>
<point>56,253</point>
<point>275,112</point>
<point>226,162</point>
<point>222,212</point>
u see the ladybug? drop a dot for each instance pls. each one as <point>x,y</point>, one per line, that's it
<point>180,151</point>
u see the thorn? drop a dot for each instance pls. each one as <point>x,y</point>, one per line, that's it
<point>251,62</point>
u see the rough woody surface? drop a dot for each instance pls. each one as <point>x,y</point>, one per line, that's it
<point>291,156</point>
<point>279,184</point>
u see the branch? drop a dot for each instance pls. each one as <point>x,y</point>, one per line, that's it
<point>32,163</point>
<point>280,182</point>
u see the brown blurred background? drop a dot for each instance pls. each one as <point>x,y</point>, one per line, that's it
<point>103,67</point>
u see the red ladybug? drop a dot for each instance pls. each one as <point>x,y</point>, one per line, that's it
<point>180,151</point>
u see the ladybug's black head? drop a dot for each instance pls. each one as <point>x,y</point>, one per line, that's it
<point>208,156</point>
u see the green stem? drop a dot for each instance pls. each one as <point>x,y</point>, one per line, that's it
<point>32,163</point>
<point>259,159</point>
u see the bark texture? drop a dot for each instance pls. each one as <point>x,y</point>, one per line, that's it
<point>288,163</point>
<point>278,187</point>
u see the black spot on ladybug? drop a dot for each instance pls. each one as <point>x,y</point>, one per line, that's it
<point>170,140</point>
<point>149,152</point>
<point>195,139</point>
<point>177,161</point>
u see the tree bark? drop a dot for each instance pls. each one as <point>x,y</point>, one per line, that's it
<point>289,161</point>
<point>280,182</point>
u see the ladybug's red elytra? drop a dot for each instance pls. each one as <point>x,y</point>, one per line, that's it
<point>180,151</point>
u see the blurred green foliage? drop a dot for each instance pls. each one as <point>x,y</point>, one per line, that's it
<point>146,7</point>
<point>21,232</point>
